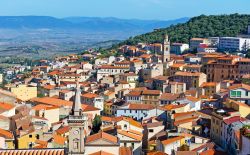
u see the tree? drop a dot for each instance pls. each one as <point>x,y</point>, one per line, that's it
<point>248,53</point>
<point>201,26</point>
<point>97,122</point>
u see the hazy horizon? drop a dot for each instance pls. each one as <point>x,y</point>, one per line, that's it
<point>123,9</point>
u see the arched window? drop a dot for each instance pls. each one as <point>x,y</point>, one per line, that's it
<point>125,126</point>
<point>76,143</point>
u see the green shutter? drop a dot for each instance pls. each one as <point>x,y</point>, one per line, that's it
<point>238,93</point>
<point>233,93</point>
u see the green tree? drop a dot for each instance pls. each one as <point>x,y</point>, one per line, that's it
<point>97,122</point>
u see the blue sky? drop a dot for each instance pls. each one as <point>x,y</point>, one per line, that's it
<point>140,9</point>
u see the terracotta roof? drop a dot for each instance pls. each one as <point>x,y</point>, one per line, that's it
<point>188,73</point>
<point>193,99</point>
<point>6,106</point>
<point>102,135</point>
<point>33,152</point>
<point>151,92</point>
<point>140,106</point>
<point>52,101</point>
<point>111,119</point>
<point>49,87</point>
<point>212,152</point>
<point>6,134</point>
<point>62,130</point>
<point>183,114</point>
<point>236,86</point>
<point>174,106</point>
<point>134,93</point>
<point>44,107</point>
<point>145,56</point>
<point>186,120</point>
<point>130,134</point>
<point>132,122</point>
<point>101,153</point>
<point>208,84</point>
<point>233,119</point>
<point>169,96</point>
<point>90,95</point>
<point>86,108</point>
<point>59,139</point>
<point>177,65</point>
<point>43,143</point>
<point>125,151</point>
<point>171,140</point>
<point>186,152</point>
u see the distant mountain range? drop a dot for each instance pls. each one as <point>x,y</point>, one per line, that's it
<point>84,23</point>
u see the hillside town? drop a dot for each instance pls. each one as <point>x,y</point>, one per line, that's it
<point>151,99</point>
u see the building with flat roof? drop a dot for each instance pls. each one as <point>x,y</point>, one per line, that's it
<point>234,43</point>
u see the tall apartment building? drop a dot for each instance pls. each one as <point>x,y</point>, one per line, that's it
<point>226,68</point>
<point>248,29</point>
<point>222,69</point>
<point>234,43</point>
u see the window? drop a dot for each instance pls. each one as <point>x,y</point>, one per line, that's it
<point>30,145</point>
<point>30,136</point>
<point>125,126</point>
<point>238,94</point>
<point>133,145</point>
<point>125,144</point>
<point>75,146</point>
<point>235,93</point>
<point>246,93</point>
<point>37,136</point>
<point>151,130</point>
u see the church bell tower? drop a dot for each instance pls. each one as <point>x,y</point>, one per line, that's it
<point>165,49</point>
<point>76,124</point>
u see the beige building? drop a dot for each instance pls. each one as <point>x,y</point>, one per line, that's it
<point>1,78</point>
<point>151,71</point>
<point>174,87</point>
<point>51,113</point>
<point>216,123</point>
<point>24,92</point>
<point>151,96</point>
<point>192,79</point>
<point>209,88</point>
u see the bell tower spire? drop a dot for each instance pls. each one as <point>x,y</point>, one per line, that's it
<point>77,106</point>
<point>165,49</point>
<point>77,124</point>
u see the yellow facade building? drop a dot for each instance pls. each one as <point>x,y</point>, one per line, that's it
<point>24,92</point>
<point>243,108</point>
<point>26,141</point>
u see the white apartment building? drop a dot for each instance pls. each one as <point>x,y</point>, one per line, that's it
<point>234,43</point>
<point>178,48</point>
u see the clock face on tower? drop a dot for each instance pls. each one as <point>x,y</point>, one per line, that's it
<point>76,132</point>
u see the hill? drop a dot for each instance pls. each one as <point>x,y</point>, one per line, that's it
<point>201,26</point>
<point>84,23</point>
<point>116,24</point>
